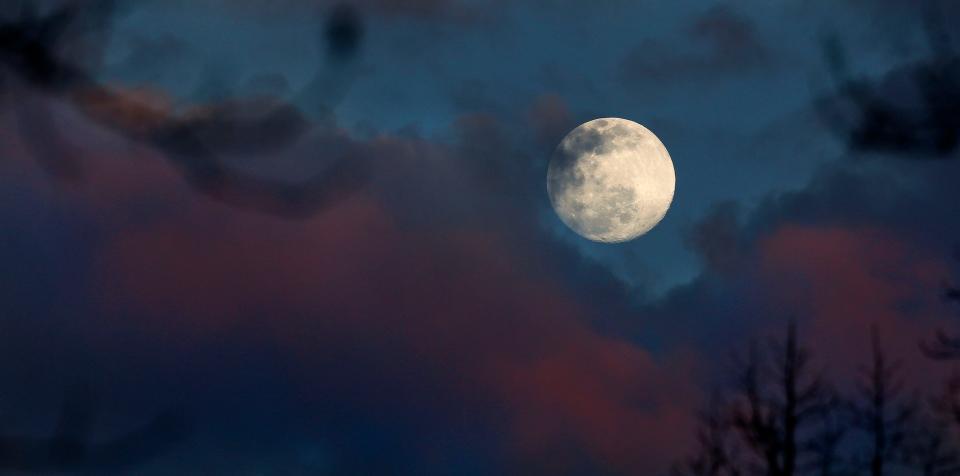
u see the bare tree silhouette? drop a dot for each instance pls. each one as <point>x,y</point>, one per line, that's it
<point>932,447</point>
<point>879,410</point>
<point>717,452</point>
<point>783,419</point>
<point>825,445</point>
<point>944,407</point>
<point>780,419</point>
<point>776,403</point>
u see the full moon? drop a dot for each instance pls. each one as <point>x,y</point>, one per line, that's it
<point>611,180</point>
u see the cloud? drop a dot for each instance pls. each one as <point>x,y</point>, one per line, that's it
<point>344,32</point>
<point>910,112</point>
<point>844,280</point>
<point>716,238</point>
<point>409,311</point>
<point>194,142</point>
<point>551,119</point>
<point>724,42</point>
<point>456,309</point>
<point>863,243</point>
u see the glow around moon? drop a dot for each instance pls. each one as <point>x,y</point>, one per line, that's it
<point>611,180</point>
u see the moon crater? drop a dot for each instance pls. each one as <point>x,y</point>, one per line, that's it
<point>611,180</point>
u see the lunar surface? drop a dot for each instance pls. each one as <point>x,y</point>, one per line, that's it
<point>611,180</point>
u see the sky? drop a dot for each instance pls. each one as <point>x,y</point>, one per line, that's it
<point>311,237</point>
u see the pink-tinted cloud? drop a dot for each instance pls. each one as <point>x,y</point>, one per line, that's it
<point>460,312</point>
<point>840,281</point>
